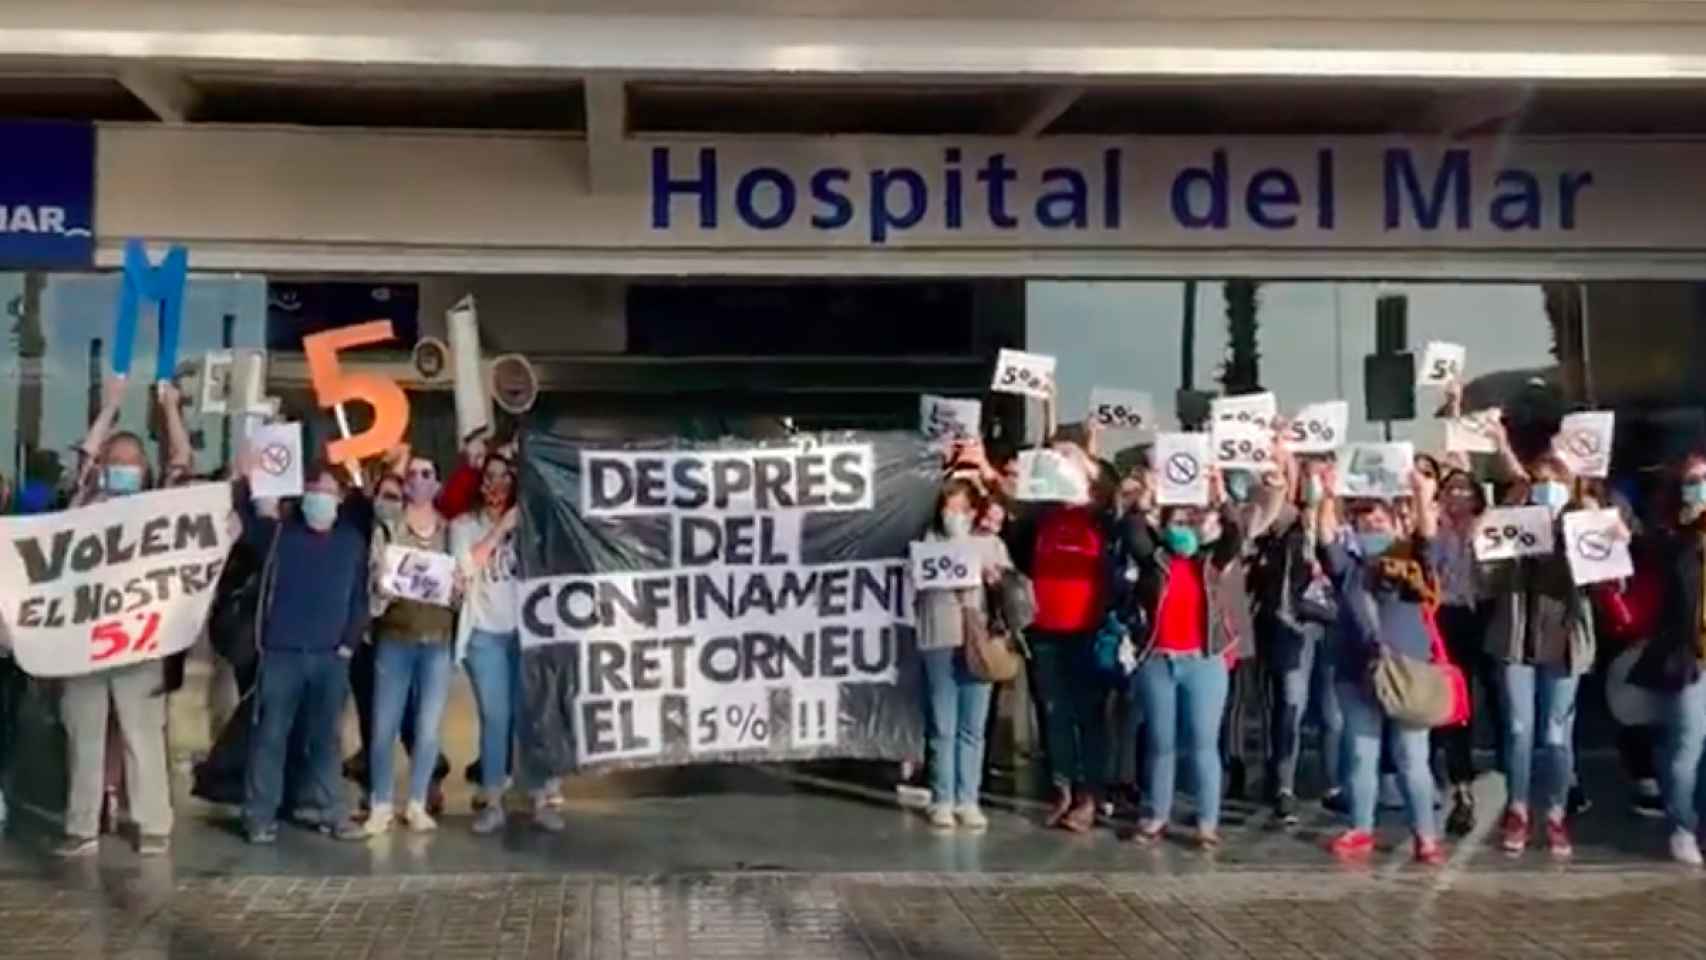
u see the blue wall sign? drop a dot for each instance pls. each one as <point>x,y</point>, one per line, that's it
<point>47,194</point>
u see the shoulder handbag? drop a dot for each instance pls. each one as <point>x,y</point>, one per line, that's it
<point>990,654</point>
<point>1421,693</point>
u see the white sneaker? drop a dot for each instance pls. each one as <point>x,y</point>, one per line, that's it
<point>972,818</point>
<point>1684,848</point>
<point>417,818</point>
<point>379,819</point>
<point>489,820</point>
<point>942,817</point>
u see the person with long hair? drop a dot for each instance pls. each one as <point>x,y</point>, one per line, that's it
<point>488,642</point>
<point>1671,663</point>
<point>1385,574</point>
<point>1541,632</point>
<point>1463,616</point>
<point>957,700</point>
<point>1294,616</point>
<point>1195,617</point>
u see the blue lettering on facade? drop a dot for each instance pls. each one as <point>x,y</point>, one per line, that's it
<point>1420,192</point>
<point>47,195</point>
<point>1450,184</point>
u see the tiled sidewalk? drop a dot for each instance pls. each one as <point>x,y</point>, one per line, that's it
<point>1269,914</point>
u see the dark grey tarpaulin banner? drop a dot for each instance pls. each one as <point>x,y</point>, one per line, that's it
<point>687,602</point>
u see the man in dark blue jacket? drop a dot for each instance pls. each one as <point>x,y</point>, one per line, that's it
<point>313,612</point>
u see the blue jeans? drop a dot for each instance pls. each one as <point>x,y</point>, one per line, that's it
<point>1074,692</point>
<point>1194,686</point>
<point>1366,727</point>
<point>1540,723</point>
<point>958,706</point>
<point>494,670</point>
<point>1325,699</point>
<point>293,687</point>
<point>1680,752</point>
<point>402,667</point>
<point>1290,668</point>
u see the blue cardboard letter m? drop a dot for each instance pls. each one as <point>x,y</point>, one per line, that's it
<point>144,282</point>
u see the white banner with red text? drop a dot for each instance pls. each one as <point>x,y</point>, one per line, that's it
<point>112,584</point>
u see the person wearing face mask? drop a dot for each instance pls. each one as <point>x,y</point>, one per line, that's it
<point>1294,611</point>
<point>1066,547</point>
<point>388,502</point>
<point>957,700</point>
<point>411,657</point>
<point>1190,585</point>
<point>1672,662</point>
<point>1386,580</point>
<point>1464,614</point>
<point>120,710</point>
<point>313,615</point>
<point>1541,632</point>
<point>488,643</point>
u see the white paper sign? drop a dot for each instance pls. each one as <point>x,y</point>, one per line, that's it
<point>1472,432</point>
<point>945,564</point>
<point>1243,446</point>
<point>1030,374</point>
<point>1506,533</point>
<point>423,575</point>
<point>1596,547</point>
<point>1046,475</point>
<point>1584,442</point>
<point>946,418</point>
<point>277,472</point>
<point>1318,427</point>
<point>1441,364</point>
<point>1181,469</point>
<point>1257,408</point>
<point>1374,470</point>
<point>1125,416</point>
<point>115,583</point>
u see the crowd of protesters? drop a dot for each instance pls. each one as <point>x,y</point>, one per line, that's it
<point>1276,593</point>
<point>1156,627</point>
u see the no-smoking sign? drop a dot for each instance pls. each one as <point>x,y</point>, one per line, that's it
<point>1584,442</point>
<point>278,460</point>
<point>1182,469</point>
<point>1598,546</point>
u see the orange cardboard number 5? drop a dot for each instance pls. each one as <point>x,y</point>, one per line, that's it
<point>334,387</point>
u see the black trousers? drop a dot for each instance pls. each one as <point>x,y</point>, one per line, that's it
<point>13,684</point>
<point>1465,634</point>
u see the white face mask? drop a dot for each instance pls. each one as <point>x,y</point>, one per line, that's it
<point>957,525</point>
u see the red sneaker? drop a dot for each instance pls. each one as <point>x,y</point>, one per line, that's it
<point>1352,844</point>
<point>1514,830</point>
<point>1558,839</point>
<point>1429,852</point>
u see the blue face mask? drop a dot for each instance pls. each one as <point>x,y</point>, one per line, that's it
<point>121,480</point>
<point>319,510</point>
<point>1238,485</point>
<point>1182,541</point>
<point>1549,493</point>
<point>1694,494</point>
<point>1374,544</point>
<point>1312,492</point>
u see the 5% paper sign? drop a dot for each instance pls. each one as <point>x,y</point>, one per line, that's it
<point>1244,446</point>
<point>945,565</point>
<point>1507,533</point>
